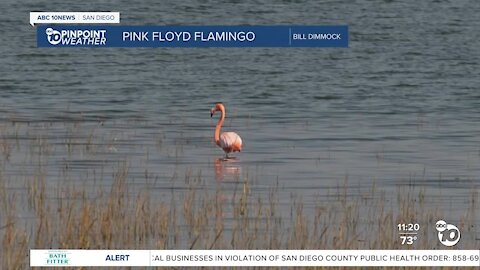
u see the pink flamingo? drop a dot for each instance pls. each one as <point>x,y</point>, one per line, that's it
<point>228,141</point>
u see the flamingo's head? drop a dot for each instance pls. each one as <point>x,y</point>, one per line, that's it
<point>218,107</point>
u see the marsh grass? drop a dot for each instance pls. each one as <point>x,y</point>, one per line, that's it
<point>119,219</point>
<point>69,215</point>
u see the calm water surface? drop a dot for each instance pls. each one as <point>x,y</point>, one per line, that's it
<point>399,107</point>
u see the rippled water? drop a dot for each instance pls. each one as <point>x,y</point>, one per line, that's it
<point>400,106</point>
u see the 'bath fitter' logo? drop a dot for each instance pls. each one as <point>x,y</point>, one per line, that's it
<point>57,257</point>
<point>76,37</point>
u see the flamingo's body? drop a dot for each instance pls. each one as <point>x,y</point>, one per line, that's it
<point>228,141</point>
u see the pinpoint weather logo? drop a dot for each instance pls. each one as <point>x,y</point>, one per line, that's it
<point>76,37</point>
<point>53,36</point>
<point>448,234</point>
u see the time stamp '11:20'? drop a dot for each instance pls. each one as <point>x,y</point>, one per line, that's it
<point>408,232</point>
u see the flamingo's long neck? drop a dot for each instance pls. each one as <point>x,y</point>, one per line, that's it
<point>219,126</point>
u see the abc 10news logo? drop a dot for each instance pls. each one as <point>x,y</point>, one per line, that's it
<point>448,234</point>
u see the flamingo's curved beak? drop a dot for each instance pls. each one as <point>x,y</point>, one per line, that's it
<point>212,111</point>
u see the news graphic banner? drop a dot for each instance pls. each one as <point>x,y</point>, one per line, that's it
<point>259,258</point>
<point>191,36</point>
<point>74,17</point>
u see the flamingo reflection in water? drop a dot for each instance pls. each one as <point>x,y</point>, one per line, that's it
<point>227,170</point>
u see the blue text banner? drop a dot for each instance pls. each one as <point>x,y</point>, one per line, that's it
<point>191,36</point>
